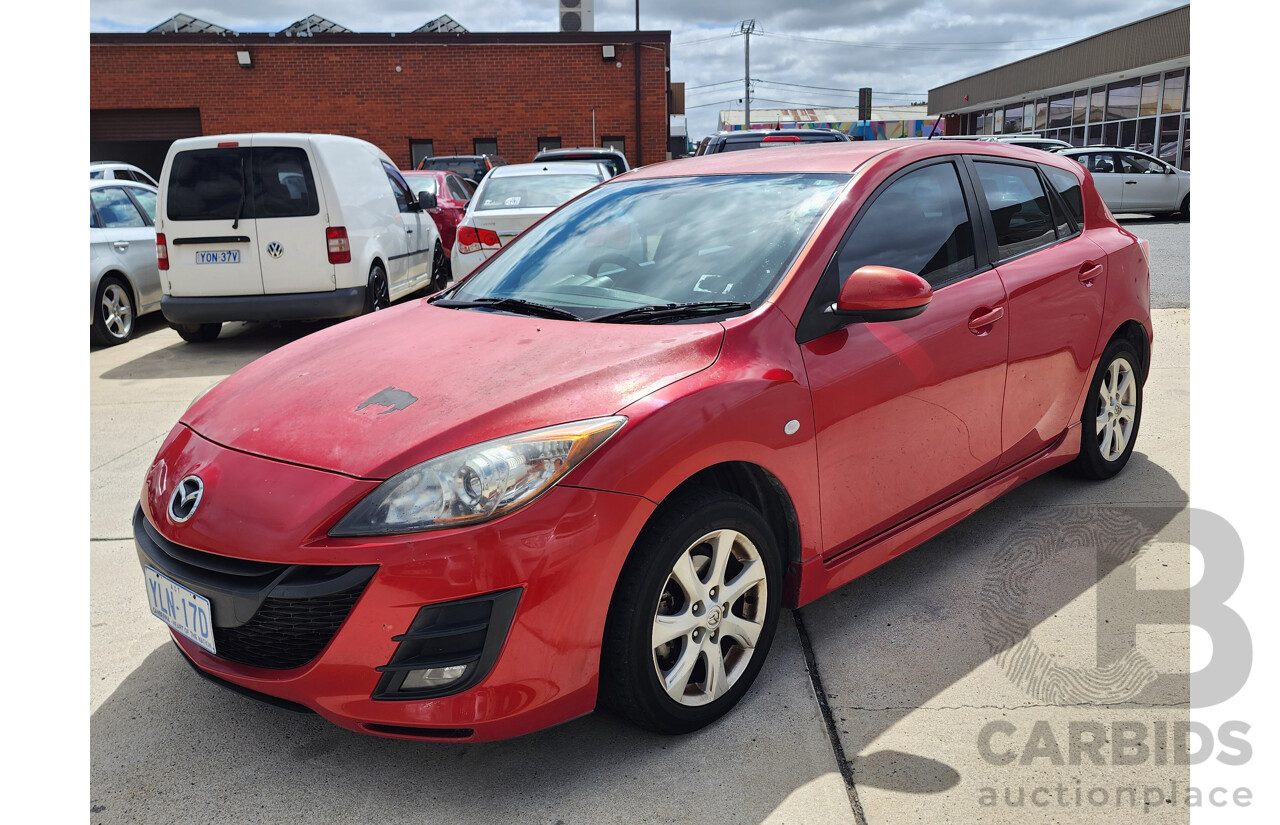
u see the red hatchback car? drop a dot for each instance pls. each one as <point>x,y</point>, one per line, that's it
<point>595,470</point>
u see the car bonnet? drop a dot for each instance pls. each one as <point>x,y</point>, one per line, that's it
<point>373,396</point>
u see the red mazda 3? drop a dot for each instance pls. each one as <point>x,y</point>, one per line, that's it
<point>594,471</point>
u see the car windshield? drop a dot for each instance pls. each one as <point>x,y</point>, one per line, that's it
<point>720,242</point>
<point>531,191</point>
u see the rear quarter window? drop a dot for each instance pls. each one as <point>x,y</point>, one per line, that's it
<point>1068,187</point>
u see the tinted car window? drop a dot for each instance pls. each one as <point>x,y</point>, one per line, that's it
<point>208,184</point>
<point>115,210</point>
<point>459,188</point>
<point>1019,207</point>
<point>1069,188</point>
<point>399,187</point>
<point>919,223</point>
<point>1138,165</point>
<point>237,182</point>
<point>285,189</point>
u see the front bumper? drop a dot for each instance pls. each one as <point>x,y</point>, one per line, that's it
<point>334,625</point>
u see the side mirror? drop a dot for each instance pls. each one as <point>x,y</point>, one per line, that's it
<point>881,293</point>
<point>426,200</point>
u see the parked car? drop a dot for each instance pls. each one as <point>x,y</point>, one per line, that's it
<point>452,192</point>
<point>510,200</point>
<point>615,161</point>
<point>696,394</point>
<point>123,281</point>
<point>277,227</point>
<point>766,138</point>
<point>115,170</point>
<point>1030,141</point>
<point>1130,181</point>
<point>472,167</point>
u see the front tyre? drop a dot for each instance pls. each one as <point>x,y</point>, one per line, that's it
<point>1112,413</point>
<point>693,614</point>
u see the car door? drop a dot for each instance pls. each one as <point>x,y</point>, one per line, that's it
<point>1055,278</point>
<point>123,235</point>
<point>1106,177</point>
<point>414,262</point>
<point>147,284</point>
<point>289,208</point>
<point>1147,184</point>
<point>907,413</point>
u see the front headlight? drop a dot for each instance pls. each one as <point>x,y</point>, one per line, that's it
<point>476,483</point>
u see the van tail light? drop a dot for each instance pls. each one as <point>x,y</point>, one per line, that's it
<point>339,246</point>
<point>472,239</point>
<point>162,252</point>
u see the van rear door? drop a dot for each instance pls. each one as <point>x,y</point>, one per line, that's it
<point>291,218</point>
<point>209,225</point>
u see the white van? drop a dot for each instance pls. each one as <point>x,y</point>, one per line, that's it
<point>274,227</point>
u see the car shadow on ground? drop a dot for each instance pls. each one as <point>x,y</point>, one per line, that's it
<point>235,347</point>
<point>890,642</point>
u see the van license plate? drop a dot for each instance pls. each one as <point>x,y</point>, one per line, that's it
<point>186,612</point>
<point>219,256</point>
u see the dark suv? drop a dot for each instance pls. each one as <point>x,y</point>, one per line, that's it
<point>765,138</point>
<point>614,160</point>
<point>473,167</point>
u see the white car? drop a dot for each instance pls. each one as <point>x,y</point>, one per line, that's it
<point>1130,181</point>
<point>283,227</point>
<point>116,170</point>
<point>123,280</point>
<point>512,198</point>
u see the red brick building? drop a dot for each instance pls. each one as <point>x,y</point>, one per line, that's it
<point>410,94</point>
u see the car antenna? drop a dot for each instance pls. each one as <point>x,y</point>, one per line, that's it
<point>934,130</point>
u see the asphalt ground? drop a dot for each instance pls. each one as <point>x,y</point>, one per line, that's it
<point>998,673</point>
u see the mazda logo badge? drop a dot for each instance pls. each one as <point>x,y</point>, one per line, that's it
<point>186,498</point>
<point>274,249</point>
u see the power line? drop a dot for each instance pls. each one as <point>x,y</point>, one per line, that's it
<point>921,47</point>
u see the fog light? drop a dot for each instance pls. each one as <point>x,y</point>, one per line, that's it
<point>432,677</point>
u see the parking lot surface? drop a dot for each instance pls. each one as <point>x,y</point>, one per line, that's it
<point>963,682</point>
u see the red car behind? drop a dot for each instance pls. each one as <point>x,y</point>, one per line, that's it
<point>595,470</point>
<point>452,192</point>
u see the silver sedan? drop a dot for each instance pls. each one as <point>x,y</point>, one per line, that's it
<point>124,281</point>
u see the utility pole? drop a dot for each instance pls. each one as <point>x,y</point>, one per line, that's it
<point>747,27</point>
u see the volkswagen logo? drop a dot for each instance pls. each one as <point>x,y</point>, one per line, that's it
<point>186,498</point>
<point>274,249</point>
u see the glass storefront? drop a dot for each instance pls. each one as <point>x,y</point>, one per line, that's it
<point>1151,114</point>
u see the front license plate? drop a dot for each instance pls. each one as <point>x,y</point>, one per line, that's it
<point>184,611</point>
<point>219,256</point>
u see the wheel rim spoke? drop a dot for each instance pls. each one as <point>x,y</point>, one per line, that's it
<point>722,549</point>
<point>687,577</point>
<point>717,681</point>
<point>676,680</point>
<point>744,631</point>
<point>669,628</point>
<point>751,575</point>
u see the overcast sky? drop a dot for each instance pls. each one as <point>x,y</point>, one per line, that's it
<point>803,51</point>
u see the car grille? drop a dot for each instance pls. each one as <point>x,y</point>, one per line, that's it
<point>286,633</point>
<point>276,616</point>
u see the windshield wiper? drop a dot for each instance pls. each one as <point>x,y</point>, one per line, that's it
<point>671,312</point>
<point>516,305</point>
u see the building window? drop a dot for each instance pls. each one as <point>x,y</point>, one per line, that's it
<point>1060,112</point>
<point>615,143</point>
<point>1080,110</point>
<point>1147,135</point>
<point>1150,96</point>
<point>546,143</point>
<point>1097,104</point>
<point>1122,100</point>
<point>1128,134</point>
<point>1042,114</point>
<point>420,150</point>
<point>486,146</point>
<point>1175,86</point>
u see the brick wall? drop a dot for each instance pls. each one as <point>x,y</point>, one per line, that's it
<point>387,90</point>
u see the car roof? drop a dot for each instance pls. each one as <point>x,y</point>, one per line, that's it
<point>602,150</point>
<point>834,157</point>
<point>565,167</point>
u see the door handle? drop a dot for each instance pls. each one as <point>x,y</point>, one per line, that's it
<point>1089,271</point>
<point>120,245</point>
<point>1130,182</point>
<point>407,229</point>
<point>982,319</point>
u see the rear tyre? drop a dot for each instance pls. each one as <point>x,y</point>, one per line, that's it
<point>441,270</point>
<point>112,313</point>
<point>378,295</point>
<point>197,333</point>
<point>1112,414</point>
<point>693,614</point>
<point>1185,209</point>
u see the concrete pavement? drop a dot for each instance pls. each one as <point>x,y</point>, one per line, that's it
<point>934,669</point>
